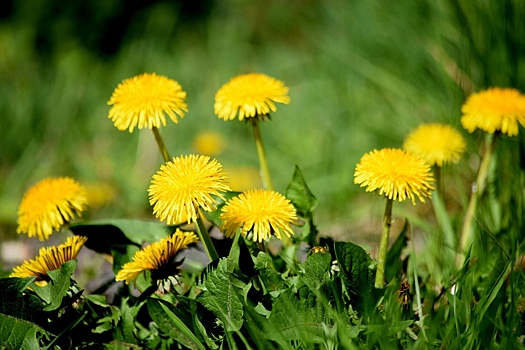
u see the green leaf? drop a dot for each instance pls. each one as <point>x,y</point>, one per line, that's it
<point>161,312</point>
<point>220,296</point>
<point>358,278</point>
<point>108,322</point>
<point>296,317</point>
<point>300,195</point>
<point>103,234</point>
<point>126,325</point>
<point>53,292</point>
<point>271,278</point>
<point>18,334</point>
<point>233,256</point>
<point>492,286</point>
<point>96,299</point>
<point>316,268</point>
<point>119,345</point>
<point>445,224</point>
<point>191,312</point>
<point>390,329</point>
<point>17,302</point>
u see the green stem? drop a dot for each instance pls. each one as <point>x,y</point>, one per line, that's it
<point>162,148</point>
<point>383,245</point>
<point>437,176</point>
<point>478,187</point>
<point>265,171</point>
<point>204,236</point>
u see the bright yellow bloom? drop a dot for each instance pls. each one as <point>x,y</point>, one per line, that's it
<point>158,257</point>
<point>494,109</point>
<point>184,185</point>
<point>262,212</point>
<point>436,143</point>
<point>250,95</point>
<point>208,143</point>
<point>48,204</point>
<point>397,174</point>
<point>144,101</point>
<point>49,259</point>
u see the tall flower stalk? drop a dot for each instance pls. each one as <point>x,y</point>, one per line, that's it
<point>398,175</point>
<point>438,145</point>
<point>160,143</point>
<point>495,111</point>
<point>205,238</point>
<point>383,244</point>
<point>478,187</point>
<point>261,153</point>
<point>144,101</point>
<point>252,97</point>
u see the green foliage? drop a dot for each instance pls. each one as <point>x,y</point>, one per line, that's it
<point>356,274</point>
<point>54,291</point>
<point>17,310</point>
<point>219,295</point>
<point>305,203</point>
<point>18,334</point>
<point>161,312</point>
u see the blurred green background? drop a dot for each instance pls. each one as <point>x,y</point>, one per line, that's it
<point>362,74</point>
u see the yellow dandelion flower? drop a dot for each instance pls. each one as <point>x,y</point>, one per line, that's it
<point>262,212</point>
<point>47,205</point>
<point>184,185</point>
<point>144,101</point>
<point>250,95</point>
<point>396,173</point>
<point>158,257</point>
<point>494,109</point>
<point>208,143</point>
<point>49,259</point>
<point>436,143</point>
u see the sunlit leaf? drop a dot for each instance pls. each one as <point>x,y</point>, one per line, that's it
<point>221,298</point>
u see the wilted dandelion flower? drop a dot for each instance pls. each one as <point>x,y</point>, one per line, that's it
<point>184,185</point>
<point>144,101</point>
<point>261,212</point>
<point>250,95</point>
<point>158,258</point>
<point>494,109</point>
<point>48,205</point>
<point>436,143</point>
<point>49,259</point>
<point>397,174</point>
